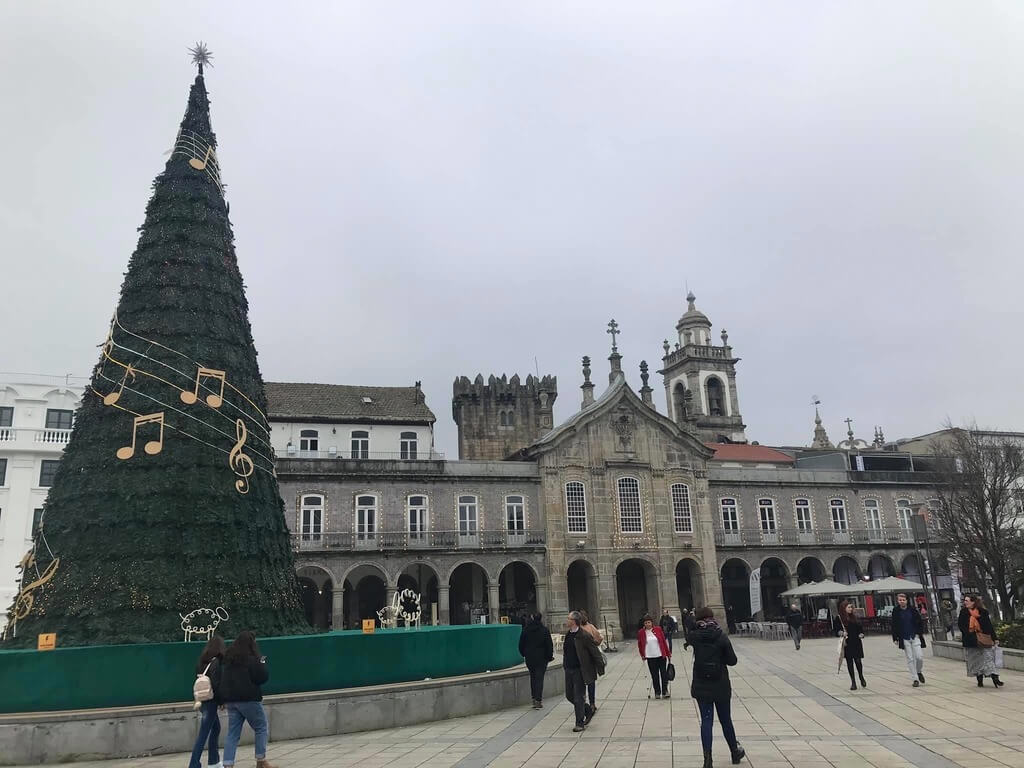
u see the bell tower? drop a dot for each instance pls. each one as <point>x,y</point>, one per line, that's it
<point>700,380</point>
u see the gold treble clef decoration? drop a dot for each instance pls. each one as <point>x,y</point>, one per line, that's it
<point>240,462</point>
<point>23,605</point>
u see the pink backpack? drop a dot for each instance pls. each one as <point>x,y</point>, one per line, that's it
<point>202,689</point>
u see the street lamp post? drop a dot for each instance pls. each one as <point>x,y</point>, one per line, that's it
<point>919,526</point>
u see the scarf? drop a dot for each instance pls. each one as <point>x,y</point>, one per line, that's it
<point>974,625</point>
<point>708,624</point>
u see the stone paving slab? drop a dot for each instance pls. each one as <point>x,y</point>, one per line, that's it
<point>790,709</point>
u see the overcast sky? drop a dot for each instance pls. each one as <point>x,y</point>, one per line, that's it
<point>425,190</point>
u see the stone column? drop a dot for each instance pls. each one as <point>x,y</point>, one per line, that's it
<point>492,603</point>
<point>541,588</point>
<point>338,608</point>
<point>608,613</point>
<point>442,604</point>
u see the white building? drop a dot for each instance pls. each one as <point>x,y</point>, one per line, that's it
<point>332,421</point>
<point>36,414</point>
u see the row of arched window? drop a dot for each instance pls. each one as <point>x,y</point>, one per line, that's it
<point>367,522</point>
<point>359,443</point>
<point>768,517</point>
<point>631,512</point>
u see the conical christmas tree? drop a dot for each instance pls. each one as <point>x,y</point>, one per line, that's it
<point>165,500</point>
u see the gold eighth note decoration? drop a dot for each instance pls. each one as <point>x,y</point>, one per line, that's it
<point>152,447</point>
<point>212,400</point>
<point>240,463</point>
<point>113,397</point>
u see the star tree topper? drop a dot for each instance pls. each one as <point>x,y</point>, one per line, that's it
<point>201,55</point>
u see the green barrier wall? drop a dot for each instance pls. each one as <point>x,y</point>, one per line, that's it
<point>157,673</point>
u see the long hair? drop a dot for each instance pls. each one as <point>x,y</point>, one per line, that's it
<point>242,649</point>
<point>585,618</point>
<point>704,613</point>
<point>215,647</point>
<point>979,603</point>
<point>842,612</point>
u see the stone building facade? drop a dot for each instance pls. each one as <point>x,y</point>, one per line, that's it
<point>619,510</point>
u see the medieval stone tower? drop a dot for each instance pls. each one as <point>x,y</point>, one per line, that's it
<point>700,380</point>
<point>500,417</point>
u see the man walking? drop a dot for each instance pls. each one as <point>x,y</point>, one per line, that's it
<point>795,620</point>
<point>908,634</point>
<point>581,662</point>
<point>689,626</point>
<point>668,626</point>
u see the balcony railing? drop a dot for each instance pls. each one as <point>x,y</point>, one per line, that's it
<point>403,540</point>
<point>418,455</point>
<point>55,437</point>
<point>756,537</point>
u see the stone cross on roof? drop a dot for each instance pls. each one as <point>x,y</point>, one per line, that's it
<point>613,329</point>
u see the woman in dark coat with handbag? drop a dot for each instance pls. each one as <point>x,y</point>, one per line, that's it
<point>853,648</point>
<point>537,650</point>
<point>712,657</point>
<point>979,640</point>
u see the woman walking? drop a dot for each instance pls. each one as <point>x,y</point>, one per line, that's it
<point>712,657</point>
<point>209,664</point>
<point>244,670</point>
<point>853,649</point>
<point>538,651</point>
<point>595,633</point>
<point>654,650</point>
<point>978,637</point>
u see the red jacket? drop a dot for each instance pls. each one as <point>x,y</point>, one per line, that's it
<point>641,641</point>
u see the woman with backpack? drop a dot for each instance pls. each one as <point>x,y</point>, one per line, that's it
<point>243,671</point>
<point>712,656</point>
<point>207,682</point>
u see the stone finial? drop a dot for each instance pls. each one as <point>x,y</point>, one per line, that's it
<point>614,358</point>
<point>820,441</point>
<point>690,299</point>
<point>587,386</point>
<point>879,441</point>
<point>667,347</point>
<point>645,391</point>
<point>725,338</point>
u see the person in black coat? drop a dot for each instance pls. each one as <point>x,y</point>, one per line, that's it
<point>668,626</point>
<point>537,650</point>
<point>853,648</point>
<point>795,620</point>
<point>980,653</point>
<point>243,672</point>
<point>689,624</point>
<point>908,634</point>
<point>710,686</point>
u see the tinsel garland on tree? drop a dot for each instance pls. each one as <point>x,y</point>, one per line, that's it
<point>192,517</point>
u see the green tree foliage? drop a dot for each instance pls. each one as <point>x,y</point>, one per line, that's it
<point>144,539</point>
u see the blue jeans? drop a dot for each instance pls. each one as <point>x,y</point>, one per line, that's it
<point>707,722</point>
<point>250,712</point>
<point>209,729</point>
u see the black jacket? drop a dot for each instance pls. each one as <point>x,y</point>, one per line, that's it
<point>689,624</point>
<point>917,623</point>
<point>968,638</point>
<point>668,625</point>
<point>854,648</point>
<point>711,651</point>
<point>242,681</point>
<point>795,619</point>
<point>588,655</point>
<point>535,645</point>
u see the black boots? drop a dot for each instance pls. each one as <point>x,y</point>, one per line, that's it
<point>853,686</point>
<point>981,681</point>
<point>998,683</point>
<point>707,760</point>
<point>863,682</point>
<point>738,754</point>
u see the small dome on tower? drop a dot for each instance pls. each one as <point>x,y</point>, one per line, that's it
<point>693,316</point>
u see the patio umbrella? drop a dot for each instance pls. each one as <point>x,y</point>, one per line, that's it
<point>892,584</point>
<point>825,588</point>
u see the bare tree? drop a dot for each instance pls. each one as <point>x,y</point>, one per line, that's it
<point>981,476</point>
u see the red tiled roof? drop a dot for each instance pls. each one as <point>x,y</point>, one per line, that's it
<point>761,454</point>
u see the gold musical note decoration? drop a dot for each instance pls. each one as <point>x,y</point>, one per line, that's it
<point>153,446</point>
<point>113,397</point>
<point>240,463</point>
<point>23,605</point>
<point>212,400</point>
<point>201,155</point>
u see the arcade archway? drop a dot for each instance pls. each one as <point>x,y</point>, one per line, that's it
<point>689,590</point>
<point>736,589</point>
<point>774,581</point>
<point>421,579</point>
<point>846,570</point>
<point>637,586</point>
<point>581,584</point>
<point>468,598</point>
<point>810,569</point>
<point>517,592</point>
<point>365,594</point>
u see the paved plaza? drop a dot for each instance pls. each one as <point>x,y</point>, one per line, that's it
<point>790,709</point>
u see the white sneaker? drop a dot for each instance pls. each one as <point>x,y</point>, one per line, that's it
<point>216,765</point>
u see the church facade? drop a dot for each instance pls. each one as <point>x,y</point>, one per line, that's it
<point>619,510</point>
